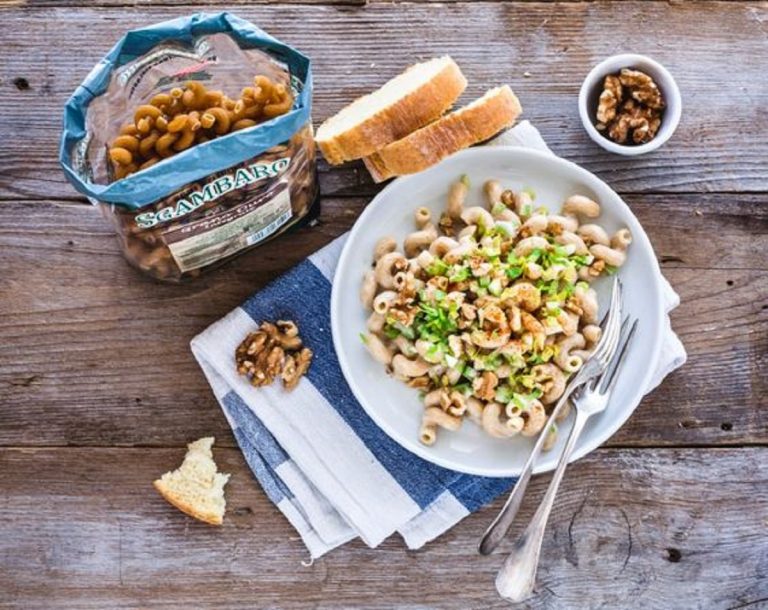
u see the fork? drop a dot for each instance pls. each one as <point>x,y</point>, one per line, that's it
<point>517,577</point>
<point>498,529</point>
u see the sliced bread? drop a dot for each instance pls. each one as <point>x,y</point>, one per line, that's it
<point>196,487</point>
<point>476,122</point>
<point>411,100</point>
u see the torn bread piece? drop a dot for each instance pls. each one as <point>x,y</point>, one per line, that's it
<point>410,100</point>
<point>196,487</point>
<point>474,123</point>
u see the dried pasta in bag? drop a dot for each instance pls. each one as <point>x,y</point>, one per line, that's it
<point>194,136</point>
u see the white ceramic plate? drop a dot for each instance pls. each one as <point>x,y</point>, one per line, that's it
<point>397,408</point>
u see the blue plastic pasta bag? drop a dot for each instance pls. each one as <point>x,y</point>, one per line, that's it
<point>187,208</point>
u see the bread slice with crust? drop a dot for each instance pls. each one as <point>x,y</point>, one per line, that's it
<point>474,123</point>
<point>196,487</point>
<point>410,100</point>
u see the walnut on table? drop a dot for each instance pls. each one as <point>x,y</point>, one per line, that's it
<point>272,351</point>
<point>629,107</point>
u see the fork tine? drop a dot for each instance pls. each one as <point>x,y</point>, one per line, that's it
<point>608,379</point>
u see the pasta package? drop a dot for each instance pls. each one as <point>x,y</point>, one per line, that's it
<point>194,137</point>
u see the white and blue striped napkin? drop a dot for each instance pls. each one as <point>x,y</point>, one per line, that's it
<point>323,462</point>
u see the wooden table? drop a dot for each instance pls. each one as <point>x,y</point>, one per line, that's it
<point>99,392</point>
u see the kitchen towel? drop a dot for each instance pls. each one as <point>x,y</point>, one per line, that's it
<point>323,462</point>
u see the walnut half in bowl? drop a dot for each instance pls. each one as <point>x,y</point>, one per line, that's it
<point>629,104</point>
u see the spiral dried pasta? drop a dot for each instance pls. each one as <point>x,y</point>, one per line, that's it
<point>175,121</point>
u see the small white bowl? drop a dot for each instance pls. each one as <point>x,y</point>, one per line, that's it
<point>592,86</point>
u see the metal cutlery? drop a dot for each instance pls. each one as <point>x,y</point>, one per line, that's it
<point>516,579</point>
<point>499,527</point>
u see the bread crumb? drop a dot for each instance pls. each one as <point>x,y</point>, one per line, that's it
<point>195,487</point>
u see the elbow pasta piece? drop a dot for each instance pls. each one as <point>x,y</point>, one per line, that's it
<point>435,416</point>
<point>185,139</point>
<point>425,259</point>
<point>493,425</point>
<point>536,224</point>
<point>423,216</point>
<point>523,204</point>
<point>405,346</point>
<point>442,245</point>
<point>579,205</point>
<point>128,130</point>
<point>507,216</point>
<point>377,349</point>
<point>419,240</point>
<point>525,246</point>
<point>456,196</point>
<point>592,333</point>
<point>400,280</point>
<point>375,323</point>
<point>278,108</point>
<point>621,239</point>
<point>478,216</point>
<point>569,322</point>
<point>368,289</point>
<point>569,361</point>
<point>454,255</point>
<point>427,434</point>
<point>594,234</point>
<point>567,238</point>
<point>161,100</point>
<point>120,156</point>
<point>552,380</point>
<point>558,224</point>
<point>164,144</point>
<point>535,417</point>
<point>403,367</point>
<point>147,145</point>
<point>586,300</point>
<point>493,191</point>
<point>610,256</point>
<point>474,410</point>
<point>146,111</point>
<point>383,246</point>
<point>525,295</point>
<point>243,124</point>
<point>144,126</point>
<point>387,266</point>
<point>128,142</point>
<point>383,301</point>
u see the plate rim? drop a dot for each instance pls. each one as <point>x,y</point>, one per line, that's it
<point>423,452</point>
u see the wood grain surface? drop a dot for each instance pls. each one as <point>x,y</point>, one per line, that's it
<point>718,147</point>
<point>87,524</point>
<point>99,392</point>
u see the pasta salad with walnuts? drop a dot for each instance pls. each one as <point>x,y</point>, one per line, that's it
<point>488,310</point>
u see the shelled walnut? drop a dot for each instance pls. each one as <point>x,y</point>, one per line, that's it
<point>274,350</point>
<point>629,108</point>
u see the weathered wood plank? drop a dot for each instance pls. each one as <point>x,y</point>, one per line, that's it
<point>82,528</point>
<point>718,146</point>
<point>76,354</point>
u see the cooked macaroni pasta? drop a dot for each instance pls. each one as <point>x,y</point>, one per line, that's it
<point>489,311</point>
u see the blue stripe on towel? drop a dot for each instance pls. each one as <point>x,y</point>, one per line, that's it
<point>273,485</point>
<point>254,430</point>
<point>303,294</point>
